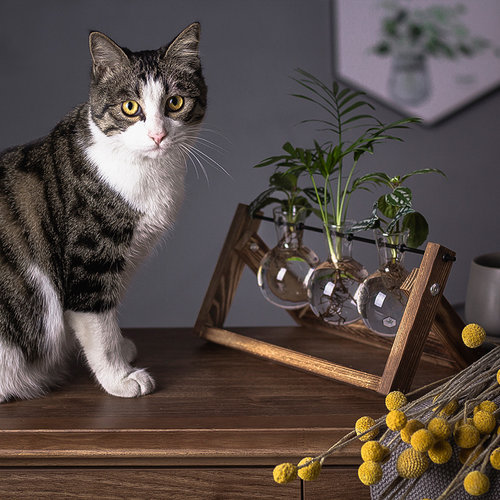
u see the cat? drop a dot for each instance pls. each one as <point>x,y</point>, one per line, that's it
<point>81,207</point>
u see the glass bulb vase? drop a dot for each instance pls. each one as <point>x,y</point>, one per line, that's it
<point>333,284</point>
<point>381,302</point>
<point>284,270</point>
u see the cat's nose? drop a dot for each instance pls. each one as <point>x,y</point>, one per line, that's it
<point>158,136</point>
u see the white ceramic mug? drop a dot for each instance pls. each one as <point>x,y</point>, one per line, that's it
<point>482,303</point>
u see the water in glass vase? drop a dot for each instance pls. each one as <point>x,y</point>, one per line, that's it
<point>284,270</point>
<point>380,300</point>
<point>333,284</point>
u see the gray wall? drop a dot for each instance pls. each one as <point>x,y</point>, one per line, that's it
<point>249,51</point>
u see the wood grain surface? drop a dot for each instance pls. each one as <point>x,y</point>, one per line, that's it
<point>175,484</point>
<point>217,413</point>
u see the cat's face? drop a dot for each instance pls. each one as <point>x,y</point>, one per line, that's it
<point>147,102</point>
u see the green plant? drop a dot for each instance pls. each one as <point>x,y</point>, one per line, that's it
<point>393,212</point>
<point>283,190</point>
<point>346,115</point>
<point>435,30</point>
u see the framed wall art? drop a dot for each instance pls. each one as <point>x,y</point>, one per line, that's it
<point>425,58</point>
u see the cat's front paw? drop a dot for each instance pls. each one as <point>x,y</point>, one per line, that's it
<point>135,384</point>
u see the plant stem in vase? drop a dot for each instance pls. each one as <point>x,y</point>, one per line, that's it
<point>333,284</point>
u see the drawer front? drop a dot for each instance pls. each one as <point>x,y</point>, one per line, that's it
<point>173,483</point>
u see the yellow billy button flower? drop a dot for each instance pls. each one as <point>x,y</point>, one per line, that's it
<point>422,440</point>
<point>487,405</point>
<point>498,376</point>
<point>285,473</point>
<point>473,335</point>
<point>309,472</point>
<point>362,425</point>
<point>462,422</point>
<point>395,400</point>
<point>440,428</point>
<point>484,422</point>
<point>370,473</point>
<point>411,426</point>
<point>466,436</point>
<point>495,458</point>
<point>476,483</point>
<point>440,452</point>
<point>411,463</point>
<point>373,451</point>
<point>395,420</point>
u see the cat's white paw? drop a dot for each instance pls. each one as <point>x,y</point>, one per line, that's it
<point>129,350</point>
<point>135,384</point>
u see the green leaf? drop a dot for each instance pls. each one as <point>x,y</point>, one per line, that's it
<point>350,95</point>
<point>376,178</point>
<point>343,93</point>
<point>269,161</point>
<point>418,227</point>
<point>385,208</point>
<point>262,201</point>
<point>295,259</point>
<point>382,48</point>
<point>365,224</point>
<point>400,197</point>
<point>357,117</point>
<point>423,171</point>
<point>296,169</point>
<point>289,148</point>
<point>284,180</point>
<point>311,194</point>
<point>402,212</point>
<point>301,201</point>
<point>354,106</point>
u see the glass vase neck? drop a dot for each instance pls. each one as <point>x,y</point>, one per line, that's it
<point>389,247</point>
<point>289,226</point>
<point>339,246</point>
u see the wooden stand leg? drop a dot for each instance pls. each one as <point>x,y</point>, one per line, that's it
<point>417,319</point>
<point>227,273</point>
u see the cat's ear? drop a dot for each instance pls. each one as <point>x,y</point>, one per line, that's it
<point>185,45</point>
<point>106,55</point>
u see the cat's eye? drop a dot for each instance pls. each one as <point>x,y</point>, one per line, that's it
<point>131,108</point>
<point>175,103</point>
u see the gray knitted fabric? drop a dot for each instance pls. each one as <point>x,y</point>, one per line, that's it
<point>434,481</point>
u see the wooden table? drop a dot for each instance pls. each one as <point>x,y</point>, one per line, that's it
<point>218,423</point>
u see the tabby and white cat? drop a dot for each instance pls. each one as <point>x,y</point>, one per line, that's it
<point>80,207</point>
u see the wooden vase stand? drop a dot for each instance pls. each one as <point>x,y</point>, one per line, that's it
<point>429,328</point>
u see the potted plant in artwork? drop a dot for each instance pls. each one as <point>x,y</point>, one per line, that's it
<point>330,167</point>
<point>412,35</point>
<point>396,224</point>
<point>284,270</point>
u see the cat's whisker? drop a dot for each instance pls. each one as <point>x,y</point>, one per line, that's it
<point>194,159</point>
<point>207,143</point>
<point>203,128</point>
<point>188,159</point>
<point>210,159</point>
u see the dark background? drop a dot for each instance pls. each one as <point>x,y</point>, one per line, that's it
<point>249,50</point>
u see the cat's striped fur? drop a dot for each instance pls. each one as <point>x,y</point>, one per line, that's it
<point>80,207</point>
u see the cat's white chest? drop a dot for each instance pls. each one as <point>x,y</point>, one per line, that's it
<point>154,187</point>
